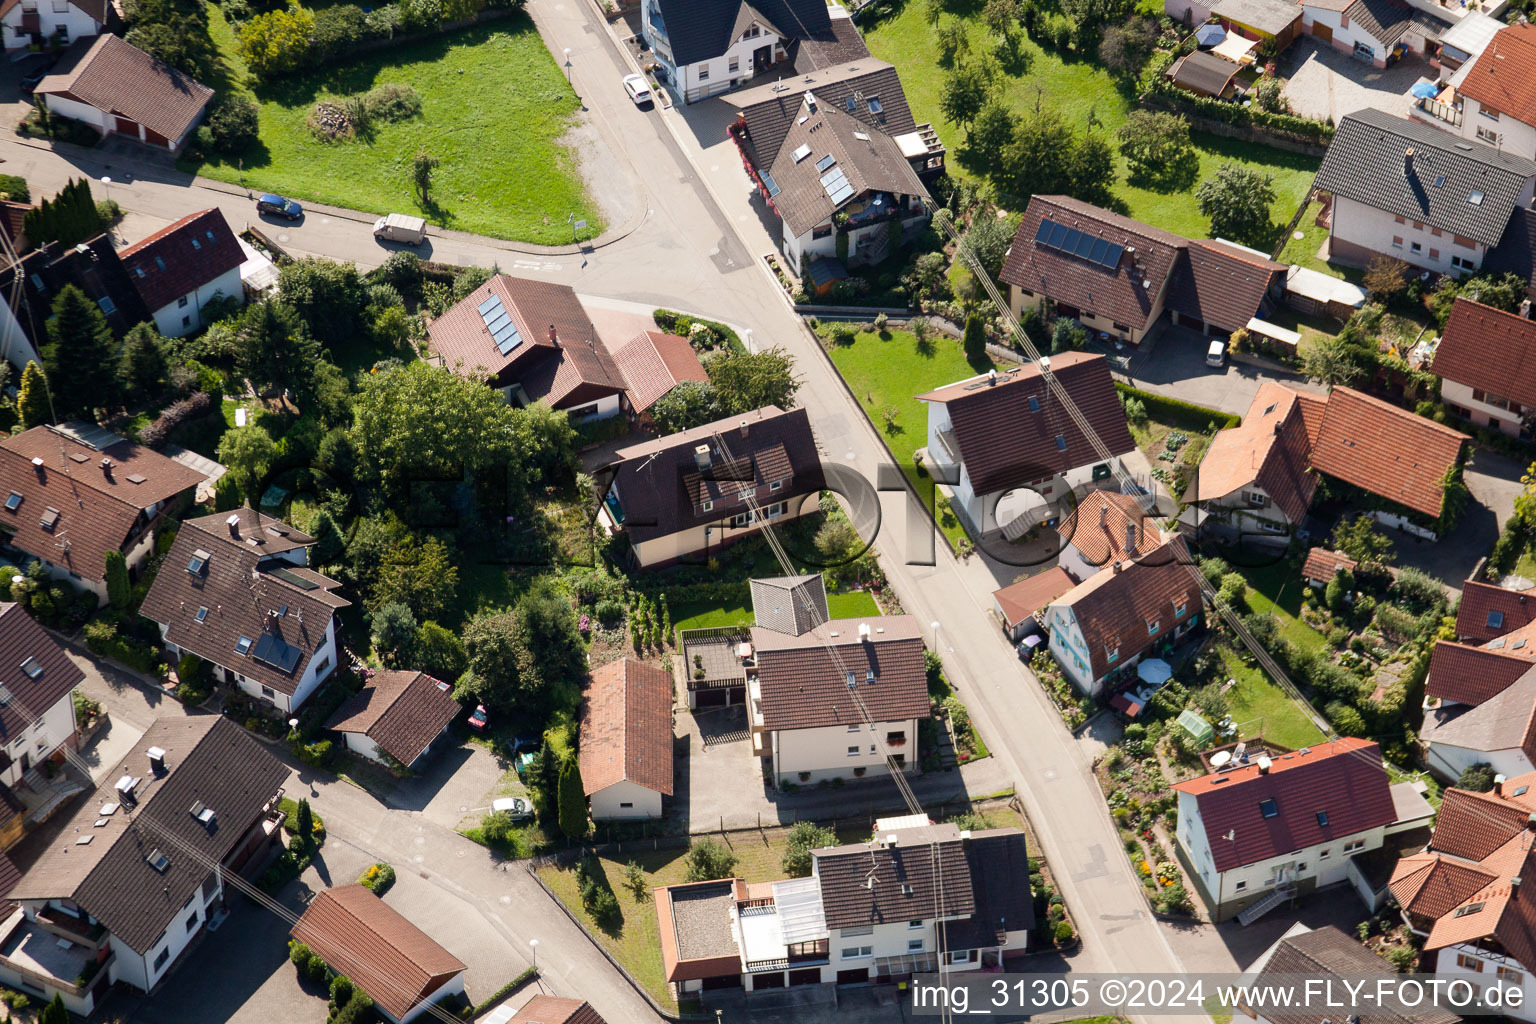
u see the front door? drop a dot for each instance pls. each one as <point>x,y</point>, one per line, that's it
<point>26,762</point>
<point>762,57</point>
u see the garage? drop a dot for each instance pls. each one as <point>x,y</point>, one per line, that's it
<point>736,695</point>
<point>857,976</point>
<point>724,981</point>
<point>126,126</point>
<point>1322,31</point>
<point>709,698</point>
<point>762,981</point>
<point>807,976</point>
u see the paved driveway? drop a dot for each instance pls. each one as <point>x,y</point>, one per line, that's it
<point>1174,365</point>
<point>1494,481</point>
<point>457,785</point>
<point>1327,83</point>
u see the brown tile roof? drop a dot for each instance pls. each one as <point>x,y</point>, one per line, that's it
<point>980,413</point>
<point>117,78</point>
<point>1343,781</point>
<point>1113,293</point>
<point>1097,528</point>
<point>871,164</point>
<point>999,864</point>
<point>1430,885</point>
<point>92,512</point>
<point>577,369</point>
<point>1504,721</point>
<point>542,1009</point>
<point>1504,77</point>
<point>1487,348</point>
<point>1465,674</point>
<point>1325,953</point>
<point>923,874</point>
<point>1494,912</point>
<point>1489,611</point>
<point>1312,408</point>
<point>653,363</point>
<point>660,496</point>
<point>401,711</point>
<point>1114,606</point>
<point>694,925</point>
<point>1323,565</point>
<point>626,727</point>
<point>1473,825</point>
<point>1204,72</point>
<point>210,761</point>
<point>1022,599</point>
<point>182,257</point>
<point>1269,449</point>
<point>839,43</point>
<point>388,957</point>
<point>236,609</point>
<point>770,110</point>
<point>1222,284</point>
<point>803,687</point>
<point>24,642</point>
<point>1386,450</point>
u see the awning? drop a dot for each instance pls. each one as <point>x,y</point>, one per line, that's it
<point>1210,35</point>
<point>1236,49</point>
<point>1424,90</point>
<point>1274,332</point>
<point>1155,670</point>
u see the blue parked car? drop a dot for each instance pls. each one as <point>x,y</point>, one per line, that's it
<point>279,206</point>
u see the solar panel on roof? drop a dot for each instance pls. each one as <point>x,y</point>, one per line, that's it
<point>1085,245</point>
<point>800,153</point>
<point>828,179</point>
<point>825,162</point>
<point>1043,232</point>
<point>494,300</point>
<point>1112,256</point>
<point>1100,247</point>
<point>1058,235</point>
<point>501,320</point>
<point>277,653</point>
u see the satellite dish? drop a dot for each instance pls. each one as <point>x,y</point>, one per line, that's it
<point>1221,757</point>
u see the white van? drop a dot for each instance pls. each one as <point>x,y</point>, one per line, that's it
<point>398,227</point>
<point>1216,355</point>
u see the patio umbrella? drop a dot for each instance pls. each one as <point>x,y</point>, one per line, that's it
<point>1210,35</point>
<point>1155,671</point>
<point>1424,90</point>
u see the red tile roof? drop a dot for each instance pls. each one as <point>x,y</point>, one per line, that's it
<point>1386,450</point>
<point>626,727</point>
<point>1504,77</point>
<point>543,1009</point>
<point>1022,599</point>
<point>1489,349</point>
<point>1342,780</point>
<point>1429,885</point>
<point>804,688</point>
<point>1222,284</point>
<point>1473,825</point>
<point>1488,611</point>
<point>401,711</point>
<point>653,363</point>
<point>1323,565</point>
<point>1464,674</point>
<point>1097,528</point>
<point>120,79</point>
<point>1269,449</point>
<point>182,257</point>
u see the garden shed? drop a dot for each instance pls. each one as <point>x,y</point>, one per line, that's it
<point>1197,728</point>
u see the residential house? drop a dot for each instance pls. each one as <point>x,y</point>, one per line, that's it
<point>396,717</point>
<point>1491,98</point>
<point>880,911</point>
<point>652,363</point>
<point>183,267</point>
<point>1516,251</point>
<point>840,700</point>
<point>1376,30</point>
<point>833,179</point>
<point>1333,959</point>
<point>498,333</point>
<point>1101,628</point>
<point>1462,893</point>
<point>705,49</point>
<point>625,748</point>
<point>1118,276</point>
<point>1260,20</point>
<point>1487,611</point>
<point>1254,480</point>
<point>542,1009</point>
<point>687,495</point>
<point>1254,834</point>
<point>123,889</point>
<point>1465,41</point>
<point>119,89</point>
<point>1018,605</point>
<point>397,964</point>
<point>76,491</point>
<point>1106,527</point>
<point>1405,189</point>
<point>235,591</point>
<point>37,719</point>
<point>1016,486</point>
<point>1486,361</point>
<point>1484,718</point>
<point>1322,565</point>
<point>30,286</point>
<point>67,21</point>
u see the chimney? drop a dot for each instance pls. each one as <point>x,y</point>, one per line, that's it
<point>1114,567</point>
<point>1045,364</point>
<point>1103,515</point>
<point>1514,887</point>
<point>864,632</point>
<point>743,428</point>
<point>156,760</point>
<point>233,522</point>
<point>991,377</point>
<point>106,467</point>
<point>1264,765</point>
<point>1277,428</point>
<point>37,464</point>
<point>554,336</point>
<point>701,457</point>
<point>1525,309</point>
<point>1130,536</point>
<point>1498,784</point>
<point>1408,162</point>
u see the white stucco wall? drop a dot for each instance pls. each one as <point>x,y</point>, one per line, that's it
<point>610,804</point>
<point>140,971</point>
<point>76,21</point>
<point>1450,760</point>
<point>1500,129</point>
<point>1357,224</point>
<point>41,738</point>
<point>1068,647</point>
<point>77,110</point>
<point>320,666</point>
<point>359,743</point>
<point>454,986</point>
<point>824,752</point>
<point>174,319</point>
<point>1447,966</point>
<point>1482,412</point>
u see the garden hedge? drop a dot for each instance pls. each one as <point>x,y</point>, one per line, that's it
<point>1186,415</point>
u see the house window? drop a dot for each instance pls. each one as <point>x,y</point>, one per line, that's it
<point>1435,231</point>
<point>1434,254</point>
<point>1399,219</point>
<point>268,693</point>
<point>323,664</point>
<point>1324,854</point>
<point>776,485</point>
<point>735,65</point>
<point>853,728</point>
<point>1179,609</point>
<point>873,103</point>
<point>1240,886</point>
<point>1061,442</point>
<point>1397,241</point>
<point>1511,976</point>
<point>1268,808</point>
<point>33,668</point>
<point>1487,135</point>
<point>243,645</point>
<point>107,305</point>
<point>1153,625</point>
<point>202,615</point>
<point>181,302</point>
<point>857,952</point>
<point>1034,404</point>
<point>1488,112</point>
<point>1358,844</point>
<point>1322,818</point>
<point>192,919</point>
<point>704,72</point>
<point>963,956</point>
<point>13,502</point>
<point>1111,654</point>
<point>1415,247</point>
<point>1495,619</point>
<point>1467,962</point>
<point>186,321</point>
<point>851,680</point>
<point>162,957</point>
<point>853,751</point>
<point>707,506</point>
<point>915,945</point>
<point>824,231</point>
<point>626,805</point>
<point>914,924</point>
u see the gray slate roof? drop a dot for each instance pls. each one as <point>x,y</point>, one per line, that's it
<point>1388,20</point>
<point>1366,163</point>
<point>790,604</point>
<point>1272,16</point>
<point>769,110</point>
<point>702,29</point>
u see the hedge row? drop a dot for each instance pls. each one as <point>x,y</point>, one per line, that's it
<point>1186,415</point>
<point>681,323</point>
<point>1288,126</point>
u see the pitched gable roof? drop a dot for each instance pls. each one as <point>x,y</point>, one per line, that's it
<point>1386,450</point>
<point>1269,449</point>
<point>1022,599</point>
<point>1365,162</point>
<point>653,363</point>
<point>1386,21</point>
<point>209,761</point>
<point>626,727</point>
<point>1504,721</point>
<point>922,874</point>
<point>1323,565</point>
<point>542,1009</point>
<point>1488,611</point>
<point>1099,526</point>
<point>97,10</point>
<point>401,711</point>
<point>117,78</point>
<point>769,111</point>
<point>388,957</point>
<point>1465,674</point>
<point>1222,284</point>
<point>803,687</point>
<point>25,649</point>
<point>182,257</point>
<point>1489,349</point>
<point>702,29</point>
<point>1325,953</point>
<point>1516,251</point>
<point>789,604</point>
<point>1203,71</point>
<point>1504,75</point>
<point>1114,606</point>
<point>1341,782</point>
<point>1020,405</point>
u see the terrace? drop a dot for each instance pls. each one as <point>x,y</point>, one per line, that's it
<point>714,659</point>
<point>40,959</point>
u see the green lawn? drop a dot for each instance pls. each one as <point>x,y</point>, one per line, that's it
<point>1259,707</point>
<point>709,615</point>
<point>1277,590</point>
<point>1079,91</point>
<point>494,106</point>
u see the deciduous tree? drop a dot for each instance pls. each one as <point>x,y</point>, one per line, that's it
<point>1157,150</point>
<point>967,89</point>
<point>277,43</point>
<point>1237,201</point>
<point>248,452</point>
<point>690,404</point>
<point>744,381</point>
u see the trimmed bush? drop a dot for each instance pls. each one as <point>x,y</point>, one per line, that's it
<point>192,407</point>
<point>377,879</point>
<point>1186,415</point>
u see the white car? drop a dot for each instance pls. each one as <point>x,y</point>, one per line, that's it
<point>516,806</point>
<point>1216,355</point>
<point>638,88</point>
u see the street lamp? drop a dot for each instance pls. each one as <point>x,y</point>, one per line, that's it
<point>106,186</point>
<point>533,944</point>
<point>934,625</point>
<point>567,65</point>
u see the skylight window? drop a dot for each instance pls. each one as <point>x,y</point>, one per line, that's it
<point>243,645</point>
<point>1495,619</point>
<point>1521,791</point>
<point>850,677</point>
<point>1475,198</point>
<point>197,245</point>
<point>202,615</point>
<point>1270,408</point>
<point>1439,180</point>
<point>13,502</point>
<point>1034,404</point>
<point>1322,818</point>
<point>874,105</point>
<point>1269,808</point>
<point>801,153</point>
<point>1061,442</point>
<point>1468,910</point>
<point>32,667</point>
<point>825,162</point>
<point>157,860</point>
<point>197,565</point>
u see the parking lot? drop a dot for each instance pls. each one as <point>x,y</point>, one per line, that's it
<point>1326,83</point>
